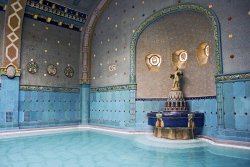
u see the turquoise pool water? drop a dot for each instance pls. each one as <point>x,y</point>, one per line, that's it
<point>98,149</point>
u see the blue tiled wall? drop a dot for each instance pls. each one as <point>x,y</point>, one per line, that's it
<point>209,108</point>
<point>9,103</point>
<point>236,110</point>
<point>145,106</point>
<point>46,108</point>
<point>85,90</point>
<point>206,106</point>
<point>111,108</point>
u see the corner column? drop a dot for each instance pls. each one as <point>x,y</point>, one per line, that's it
<point>85,103</point>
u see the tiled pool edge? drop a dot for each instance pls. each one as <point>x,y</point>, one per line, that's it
<point>225,143</point>
<point>40,131</point>
<point>48,130</point>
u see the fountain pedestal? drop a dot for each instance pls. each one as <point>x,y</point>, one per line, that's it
<point>174,133</point>
<point>176,121</point>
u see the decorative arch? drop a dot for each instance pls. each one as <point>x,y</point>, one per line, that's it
<point>170,10</point>
<point>87,38</point>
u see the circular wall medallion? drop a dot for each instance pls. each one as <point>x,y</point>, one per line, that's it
<point>69,71</point>
<point>11,71</point>
<point>32,67</point>
<point>51,70</point>
<point>154,60</point>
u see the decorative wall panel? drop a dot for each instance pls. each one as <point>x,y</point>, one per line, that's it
<point>12,31</point>
<point>46,44</point>
<point>1,34</point>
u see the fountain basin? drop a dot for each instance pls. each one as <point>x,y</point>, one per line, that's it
<point>176,119</point>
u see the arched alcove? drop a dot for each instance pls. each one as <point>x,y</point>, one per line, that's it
<point>166,31</point>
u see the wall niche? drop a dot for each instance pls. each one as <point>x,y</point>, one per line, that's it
<point>179,31</point>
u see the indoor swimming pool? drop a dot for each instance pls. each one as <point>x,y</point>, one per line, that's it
<point>92,148</point>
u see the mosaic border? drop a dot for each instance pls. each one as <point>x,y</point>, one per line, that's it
<point>114,88</point>
<point>53,21</point>
<point>170,10</point>
<point>47,88</point>
<point>3,71</point>
<point>57,9</point>
<point>232,77</point>
<point>164,99</point>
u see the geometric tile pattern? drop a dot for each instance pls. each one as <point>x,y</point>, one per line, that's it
<point>14,15</point>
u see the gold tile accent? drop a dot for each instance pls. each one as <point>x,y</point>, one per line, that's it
<point>35,16</point>
<point>40,6</point>
<point>230,36</point>
<point>3,71</point>
<point>48,19</point>
<point>174,133</point>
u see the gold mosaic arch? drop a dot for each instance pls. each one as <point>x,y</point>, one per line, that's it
<point>174,9</point>
<point>12,37</point>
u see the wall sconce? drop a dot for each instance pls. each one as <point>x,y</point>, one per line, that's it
<point>179,59</point>
<point>153,62</point>
<point>202,53</point>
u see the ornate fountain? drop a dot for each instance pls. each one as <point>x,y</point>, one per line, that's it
<point>176,121</point>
